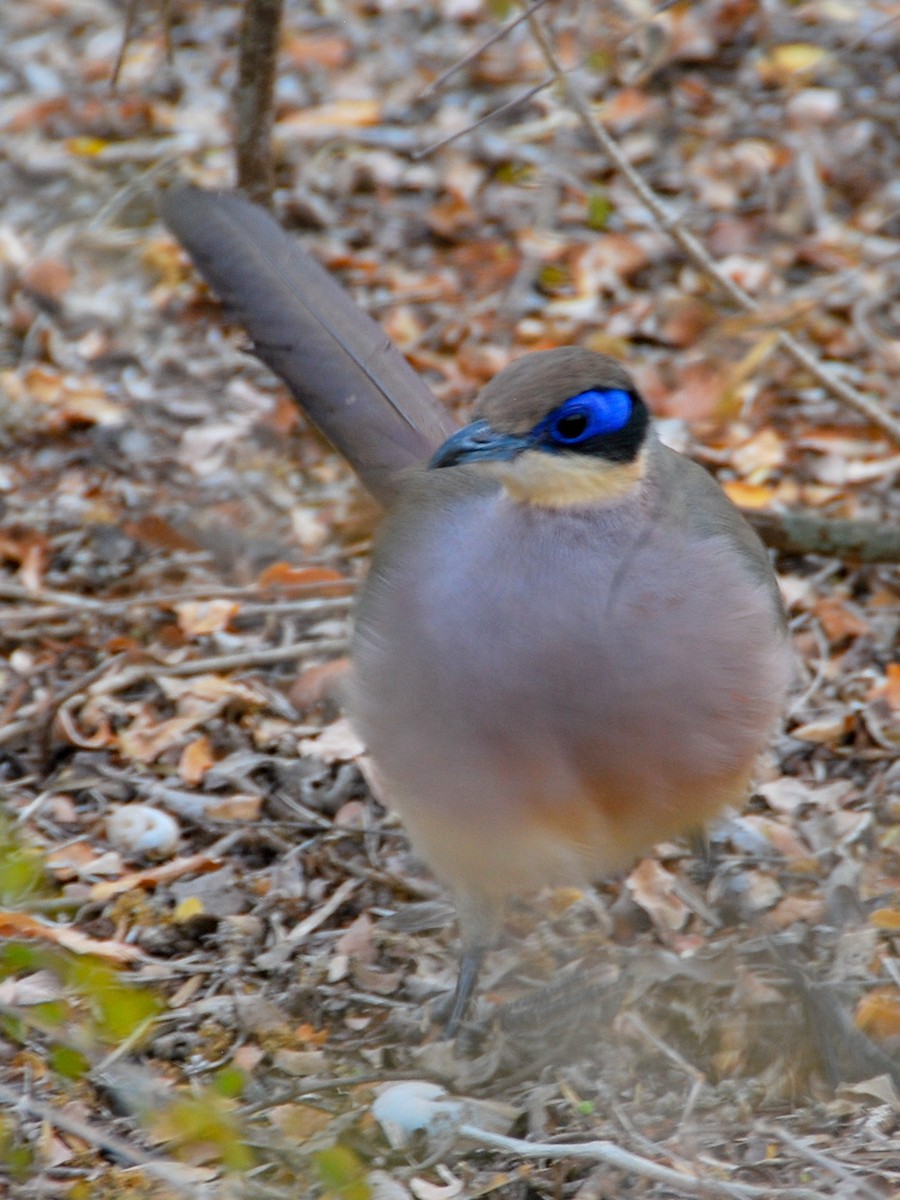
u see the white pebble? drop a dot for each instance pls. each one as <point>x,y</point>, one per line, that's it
<point>139,830</point>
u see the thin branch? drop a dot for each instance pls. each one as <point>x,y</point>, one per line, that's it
<point>479,49</point>
<point>39,715</point>
<point>40,614</point>
<point>496,112</point>
<point>806,533</point>
<point>14,591</point>
<point>254,98</point>
<point>196,666</point>
<point>860,1187</point>
<point>67,600</point>
<point>310,924</point>
<point>624,1160</point>
<point>694,248</point>
<point>224,662</point>
<point>127,31</point>
<point>42,723</point>
<point>167,1170</point>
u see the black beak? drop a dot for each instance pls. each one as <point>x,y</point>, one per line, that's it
<point>480,442</point>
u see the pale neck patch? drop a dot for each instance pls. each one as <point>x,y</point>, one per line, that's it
<point>567,480</point>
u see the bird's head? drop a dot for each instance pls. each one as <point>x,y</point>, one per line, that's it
<point>558,428</point>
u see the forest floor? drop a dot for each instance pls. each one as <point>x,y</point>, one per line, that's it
<point>218,949</point>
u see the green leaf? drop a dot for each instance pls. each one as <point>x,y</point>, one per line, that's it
<point>599,210</point>
<point>118,1007</point>
<point>206,1121</point>
<point>68,1062</point>
<point>229,1081</point>
<point>552,277</point>
<point>21,868</point>
<point>514,173</point>
<point>15,1156</point>
<point>343,1174</point>
<point>18,956</point>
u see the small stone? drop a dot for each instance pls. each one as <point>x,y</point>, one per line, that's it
<point>141,831</point>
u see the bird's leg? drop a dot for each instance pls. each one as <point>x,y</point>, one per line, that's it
<point>698,841</point>
<point>479,923</point>
<point>466,979</point>
<point>701,847</point>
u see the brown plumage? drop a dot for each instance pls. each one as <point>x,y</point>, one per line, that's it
<point>569,647</point>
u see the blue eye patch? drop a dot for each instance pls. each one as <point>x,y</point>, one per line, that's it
<point>583,418</point>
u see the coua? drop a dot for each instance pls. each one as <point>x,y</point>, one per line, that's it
<point>570,644</point>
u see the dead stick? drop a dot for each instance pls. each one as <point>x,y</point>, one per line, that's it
<point>254,98</point>
<point>694,248</point>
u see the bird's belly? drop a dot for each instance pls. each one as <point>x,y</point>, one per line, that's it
<point>547,714</point>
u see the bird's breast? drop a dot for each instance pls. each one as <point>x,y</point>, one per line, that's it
<point>544,689</point>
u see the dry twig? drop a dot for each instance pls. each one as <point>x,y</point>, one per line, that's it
<point>623,1160</point>
<point>694,249</point>
<point>166,1170</point>
<point>254,97</point>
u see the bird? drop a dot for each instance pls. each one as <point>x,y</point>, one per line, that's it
<point>570,645</point>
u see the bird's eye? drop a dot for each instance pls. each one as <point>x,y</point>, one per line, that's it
<point>571,427</point>
<point>586,416</point>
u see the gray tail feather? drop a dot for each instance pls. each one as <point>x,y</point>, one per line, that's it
<point>341,368</point>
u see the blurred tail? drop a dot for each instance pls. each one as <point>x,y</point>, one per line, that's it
<point>340,366</point>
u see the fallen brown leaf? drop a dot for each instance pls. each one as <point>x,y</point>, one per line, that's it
<point>153,876</point>
<point>18,924</point>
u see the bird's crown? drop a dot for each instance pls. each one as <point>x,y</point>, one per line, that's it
<point>559,428</point>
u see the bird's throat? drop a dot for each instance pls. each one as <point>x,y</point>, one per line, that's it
<point>567,480</point>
